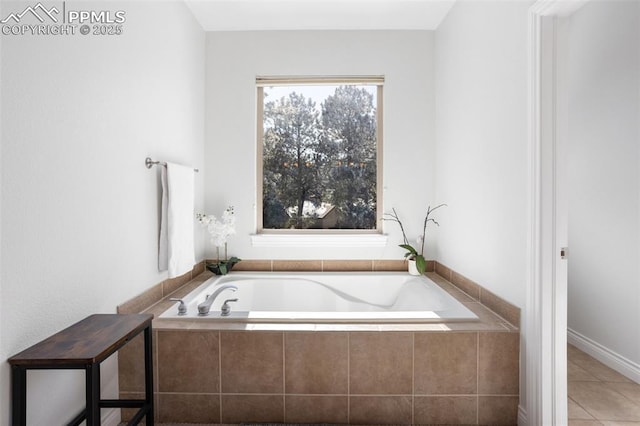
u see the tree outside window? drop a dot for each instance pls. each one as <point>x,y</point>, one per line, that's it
<point>319,157</point>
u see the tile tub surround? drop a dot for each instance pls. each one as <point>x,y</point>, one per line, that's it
<point>478,293</point>
<point>451,373</point>
<point>327,265</point>
<point>360,377</point>
<point>159,291</point>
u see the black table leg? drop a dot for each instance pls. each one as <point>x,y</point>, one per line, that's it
<point>92,378</point>
<point>18,396</point>
<point>148,374</point>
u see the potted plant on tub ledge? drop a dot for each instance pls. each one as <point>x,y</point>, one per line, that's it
<point>220,231</point>
<point>417,264</point>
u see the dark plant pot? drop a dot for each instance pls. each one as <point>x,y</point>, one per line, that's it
<point>223,267</point>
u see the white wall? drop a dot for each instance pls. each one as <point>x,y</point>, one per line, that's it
<point>405,58</point>
<point>79,209</point>
<point>481,146</point>
<point>481,143</point>
<point>603,68</point>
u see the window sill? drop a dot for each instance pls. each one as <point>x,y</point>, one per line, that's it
<point>316,240</point>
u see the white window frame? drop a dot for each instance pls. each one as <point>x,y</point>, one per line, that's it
<point>318,237</point>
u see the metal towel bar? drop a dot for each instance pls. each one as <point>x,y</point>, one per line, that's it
<point>150,163</point>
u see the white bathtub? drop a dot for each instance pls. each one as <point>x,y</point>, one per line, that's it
<point>327,297</point>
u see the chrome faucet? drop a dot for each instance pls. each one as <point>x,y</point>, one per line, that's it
<point>205,307</point>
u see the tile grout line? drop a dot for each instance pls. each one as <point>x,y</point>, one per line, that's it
<point>584,408</point>
<point>625,397</point>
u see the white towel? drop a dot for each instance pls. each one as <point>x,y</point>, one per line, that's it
<point>177,250</point>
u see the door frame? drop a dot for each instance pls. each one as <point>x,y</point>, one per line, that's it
<point>546,300</point>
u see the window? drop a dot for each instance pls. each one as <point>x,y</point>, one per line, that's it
<point>319,154</point>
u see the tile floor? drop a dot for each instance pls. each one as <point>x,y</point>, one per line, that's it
<point>599,395</point>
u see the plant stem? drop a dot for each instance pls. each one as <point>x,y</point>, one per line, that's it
<point>218,254</point>
<point>424,228</point>
<point>394,218</point>
<point>225,252</point>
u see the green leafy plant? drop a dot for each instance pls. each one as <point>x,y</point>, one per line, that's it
<point>222,267</point>
<point>412,253</point>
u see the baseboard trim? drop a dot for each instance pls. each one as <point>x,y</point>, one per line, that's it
<point>111,417</point>
<point>605,355</point>
<point>522,416</point>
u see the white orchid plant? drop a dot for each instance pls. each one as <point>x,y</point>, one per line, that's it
<point>412,253</point>
<point>220,231</point>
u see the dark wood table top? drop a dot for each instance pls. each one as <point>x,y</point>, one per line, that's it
<point>89,341</point>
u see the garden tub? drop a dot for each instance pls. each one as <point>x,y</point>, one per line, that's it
<point>316,297</point>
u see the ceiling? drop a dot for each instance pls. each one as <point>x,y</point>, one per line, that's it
<point>254,15</point>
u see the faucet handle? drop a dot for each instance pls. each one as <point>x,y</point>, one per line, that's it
<point>182,308</point>
<point>226,309</point>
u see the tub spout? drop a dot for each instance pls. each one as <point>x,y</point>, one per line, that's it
<point>205,307</point>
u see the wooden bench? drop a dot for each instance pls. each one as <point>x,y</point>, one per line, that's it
<point>85,345</point>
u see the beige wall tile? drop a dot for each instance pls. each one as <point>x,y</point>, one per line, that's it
<point>390,265</point>
<point>159,308</point>
<point>316,409</point>
<point>252,408</point>
<point>191,285</point>
<point>131,365</point>
<point>460,295</point>
<point>498,410</point>
<point>253,265</point>
<point>252,362</point>
<point>188,408</point>
<point>128,413</point>
<point>174,324</point>
<point>501,307</point>
<point>198,269</point>
<point>316,363</point>
<point>142,301</point>
<point>445,363</point>
<point>445,410</point>
<point>498,363</point>
<point>347,265</point>
<point>431,265</point>
<point>380,363</point>
<point>443,271</point>
<point>377,410</point>
<point>466,285</point>
<point>297,265</point>
<point>172,284</point>
<point>188,361</point>
<point>488,319</point>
